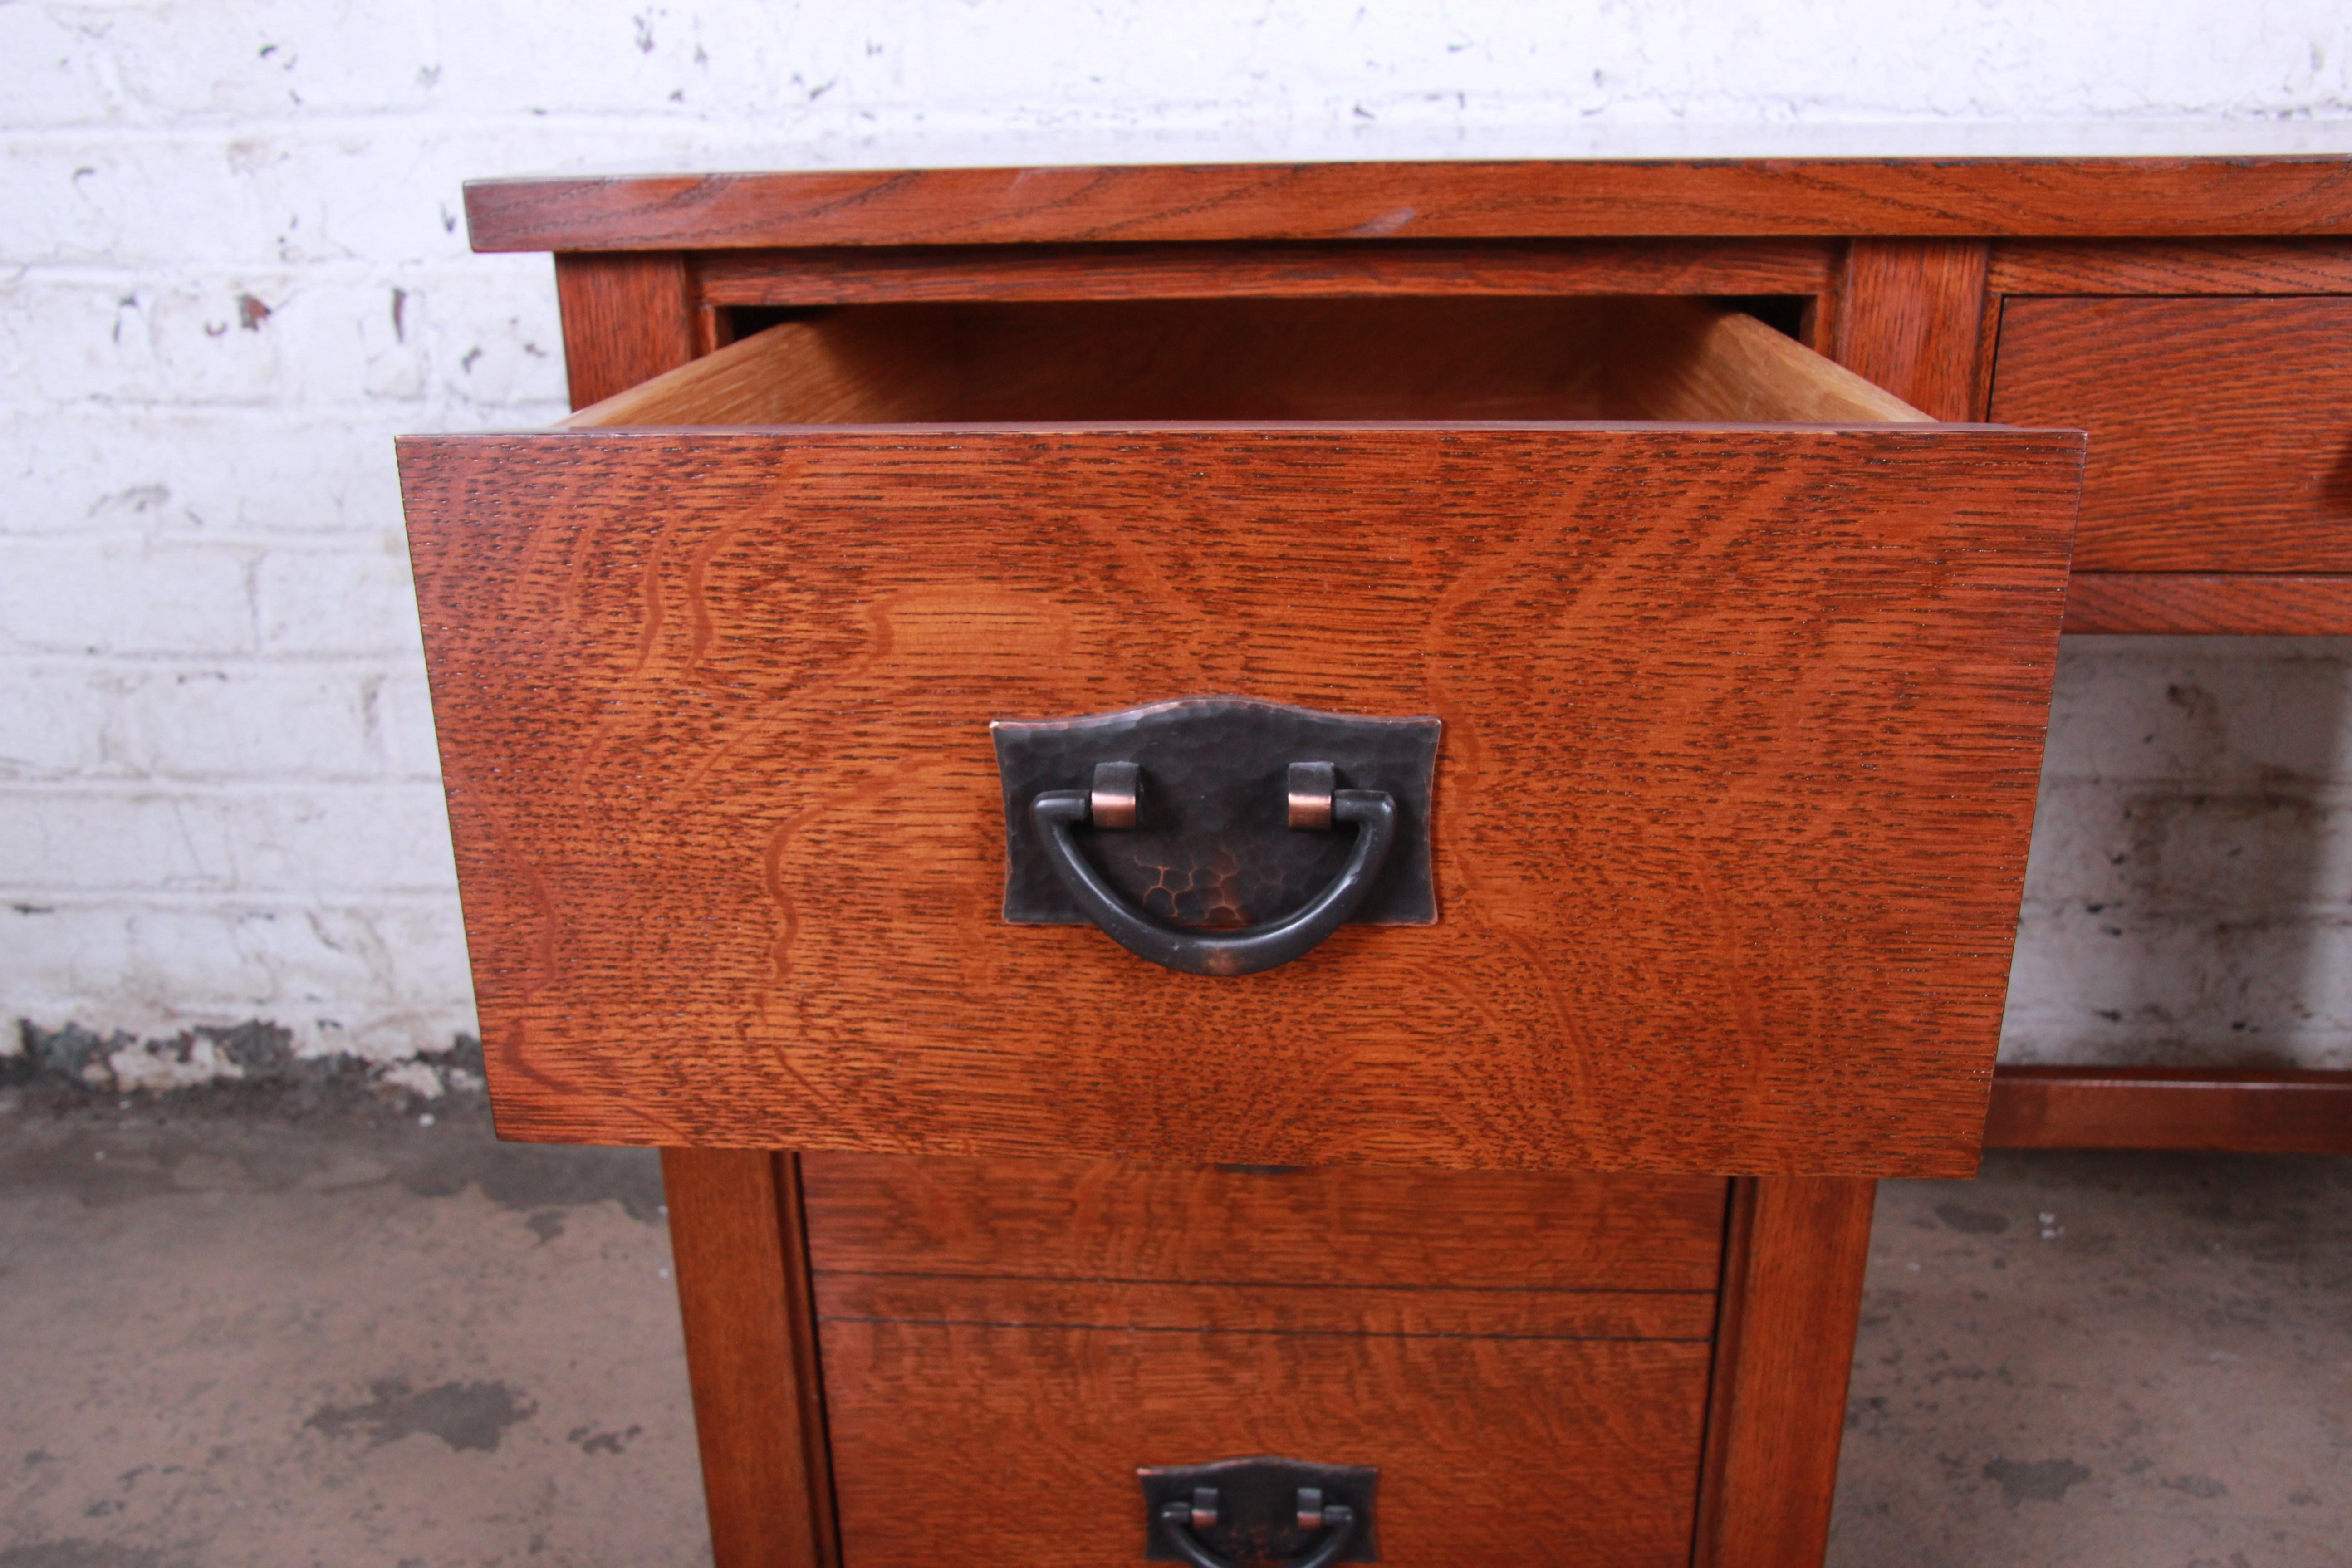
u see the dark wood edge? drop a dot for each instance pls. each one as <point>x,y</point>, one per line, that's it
<point>2228,267</point>
<point>2242,1110</point>
<point>2188,602</point>
<point>1795,1251</point>
<point>1281,270</point>
<point>1730,1303</point>
<point>1979,197</point>
<point>808,1365</point>
<point>737,1239</point>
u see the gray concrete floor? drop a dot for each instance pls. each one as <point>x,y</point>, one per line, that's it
<point>230,1342</point>
<point>2095,1360</point>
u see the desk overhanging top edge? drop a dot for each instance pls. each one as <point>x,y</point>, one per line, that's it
<point>1824,197</point>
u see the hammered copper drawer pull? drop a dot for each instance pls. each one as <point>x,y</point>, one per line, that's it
<point>1253,949</point>
<point>1291,1513</point>
<point>1214,828</point>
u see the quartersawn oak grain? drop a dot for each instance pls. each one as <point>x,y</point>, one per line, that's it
<point>2208,604</point>
<point>626,319</point>
<point>1104,1219</point>
<point>2178,267</point>
<point>1015,1446</point>
<point>1108,1314</point>
<point>1906,319</point>
<point>2220,429</point>
<point>1743,728</point>
<point>1466,200</point>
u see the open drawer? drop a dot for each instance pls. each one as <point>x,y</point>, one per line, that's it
<point>1742,669</point>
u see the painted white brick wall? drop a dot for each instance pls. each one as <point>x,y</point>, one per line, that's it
<point>231,269</point>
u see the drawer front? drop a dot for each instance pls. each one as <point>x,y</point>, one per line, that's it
<point>994,1445</point>
<point>1524,1358</point>
<point>1742,729</point>
<point>1208,1225</point>
<point>2220,429</point>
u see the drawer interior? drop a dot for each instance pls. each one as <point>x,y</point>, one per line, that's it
<point>1606,359</point>
<point>1524,1358</point>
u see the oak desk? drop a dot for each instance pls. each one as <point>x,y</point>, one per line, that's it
<point>1670,489</point>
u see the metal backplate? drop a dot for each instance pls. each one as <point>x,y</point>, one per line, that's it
<point>1211,845</point>
<point>1258,1508</point>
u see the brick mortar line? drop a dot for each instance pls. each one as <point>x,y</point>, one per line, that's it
<point>85,786</point>
<point>466,269</point>
<point>194,787</point>
<point>228,905</point>
<point>402,660</point>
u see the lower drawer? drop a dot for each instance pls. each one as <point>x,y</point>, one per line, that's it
<point>1525,1359</point>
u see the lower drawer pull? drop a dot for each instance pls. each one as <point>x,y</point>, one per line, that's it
<point>1372,814</point>
<point>1260,1513</point>
<point>1337,1520</point>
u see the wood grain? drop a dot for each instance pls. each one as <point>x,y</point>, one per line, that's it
<point>1776,1414</point>
<point>2182,267</point>
<point>1426,270</point>
<point>1154,1306</point>
<point>743,1293</point>
<point>1466,200</point>
<point>2244,1111</point>
<point>1075,1219</point>
<point>626,319</point>
<point>2239,604</point>
<point>2220,429</point>
<point>853,367</point>
<point>988,1445</point>
<point>1908,319</point>
<point>1743,731</point>
<point>1261,361</point>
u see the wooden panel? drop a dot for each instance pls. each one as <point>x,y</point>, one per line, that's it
<point>2246,1110</point>
<point>743,1292</point>
<point>2183,602</point>
<point>1792,1299</point>
<point>1498,1230</point>
<point>626,319</point>
<point>2221,429</point>
<point>2151,267</point>
<point>1908,319</point>
<point>987,1445</point>
<point>964,273</point>
<point>1743,732</point>
<point>1272,1307</point>
<point>1260,361</point>
<point>2057,197</point>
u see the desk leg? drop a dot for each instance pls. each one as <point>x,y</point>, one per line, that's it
<point>1784,1347</point>
<point>737,1237</point>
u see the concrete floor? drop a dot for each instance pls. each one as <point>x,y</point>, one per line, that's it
<point>343,1340</point>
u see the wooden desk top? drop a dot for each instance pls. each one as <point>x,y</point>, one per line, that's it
<point>1987,197</point>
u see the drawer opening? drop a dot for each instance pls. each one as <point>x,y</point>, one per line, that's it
<point>1612,360</point>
